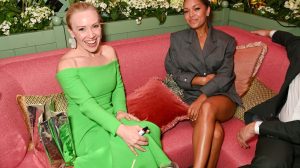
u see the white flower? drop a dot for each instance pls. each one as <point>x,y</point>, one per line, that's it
<point>266,9</point>
<point>103,5</point>
<point>238,5</point>
<point>138,21</point>
<point>35,15</point>
<point>292,4</point>
<point>5,27</point>
<point>33,20</point>
<point>177,5</point>
<point>294,7</point>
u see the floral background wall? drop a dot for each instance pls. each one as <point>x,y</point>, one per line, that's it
<point>112,10</point>
<point>282,10</point>
<point>21,16</point>
<point>30,15</point>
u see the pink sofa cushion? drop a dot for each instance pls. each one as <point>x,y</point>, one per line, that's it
<point>154,102</point>
<point>247,61</point>
<point>275,62</point>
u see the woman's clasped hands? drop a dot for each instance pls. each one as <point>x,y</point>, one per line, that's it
<point>127,116</point>
<point>130,134</point>
<point>195,107</point>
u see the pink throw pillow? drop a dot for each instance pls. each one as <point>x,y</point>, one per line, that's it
<point>154,102</point>
<point>247,60</point>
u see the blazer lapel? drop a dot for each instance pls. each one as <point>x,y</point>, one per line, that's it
<point>194,46</point>
<point>209,45</point>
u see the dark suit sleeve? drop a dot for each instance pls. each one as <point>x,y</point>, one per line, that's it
<point>289,41</point>
<point>261,112</point>
<point>225,75</point>
<point>288,131</point>
<point>182,78</point>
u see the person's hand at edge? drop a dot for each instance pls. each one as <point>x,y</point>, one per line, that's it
<point>245,134</point>
<point>265,33</point>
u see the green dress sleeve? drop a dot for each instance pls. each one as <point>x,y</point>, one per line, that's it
<point>118,95</point>
<point>76,90</point>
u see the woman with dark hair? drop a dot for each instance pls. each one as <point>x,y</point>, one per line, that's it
<point>201,61</point>
<point>104,134</point>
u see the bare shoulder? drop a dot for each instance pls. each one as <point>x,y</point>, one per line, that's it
<point>67,61</point>
<point>109,52</point>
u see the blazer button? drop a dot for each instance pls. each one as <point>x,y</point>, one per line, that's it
<point>185,80</point>
<point>204,74</point>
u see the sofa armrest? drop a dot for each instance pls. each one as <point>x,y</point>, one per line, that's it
<point>13,131</point>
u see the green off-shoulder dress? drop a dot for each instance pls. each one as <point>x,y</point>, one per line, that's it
<point>95,95</point>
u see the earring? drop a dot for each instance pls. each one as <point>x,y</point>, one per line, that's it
<point>72,42</point>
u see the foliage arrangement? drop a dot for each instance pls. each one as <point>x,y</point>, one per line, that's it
<point>29,15</point>
<point>112,10</point>
<point>23,16</point>
<point>281,10</point>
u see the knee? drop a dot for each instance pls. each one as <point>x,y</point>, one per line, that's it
<point>218,132</point>
<point>207,110</point>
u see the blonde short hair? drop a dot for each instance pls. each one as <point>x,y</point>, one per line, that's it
<point>77,7</point>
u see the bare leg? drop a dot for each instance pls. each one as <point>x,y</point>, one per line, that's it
<point>215,108</point>
<point>216,146</point>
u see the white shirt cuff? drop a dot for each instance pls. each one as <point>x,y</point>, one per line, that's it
<point>256,127</point>
<point>272,33</point>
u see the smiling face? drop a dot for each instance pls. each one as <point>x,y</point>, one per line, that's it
<point>195,13</point>
<point>86,29</point>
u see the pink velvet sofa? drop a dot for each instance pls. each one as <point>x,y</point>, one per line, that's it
<point>140,59</point>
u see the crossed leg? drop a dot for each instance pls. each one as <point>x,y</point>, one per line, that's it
<point>208,133</point>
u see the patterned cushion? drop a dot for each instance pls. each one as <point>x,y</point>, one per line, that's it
<point>257,94</point>
<point>173,86</point>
